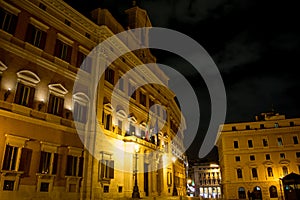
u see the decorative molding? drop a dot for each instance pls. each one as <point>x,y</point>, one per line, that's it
<point>57,89</point>
<point>81,97</point>
<point>49,147</point>
<point>16,140</point>
<point>28,76</point>
<point>9,8</point>
<point>38,24</point>
<point>3,67</point>
<point>65,39</point>
<point>75,151</point>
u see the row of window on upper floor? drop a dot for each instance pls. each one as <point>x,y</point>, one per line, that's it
<point>254,172</point>
<point>256,193</point>
<point>25,96</point>
<point>262,126</point>
<point>37,35</point>
<point>267,156</point>
<point>265,142</point>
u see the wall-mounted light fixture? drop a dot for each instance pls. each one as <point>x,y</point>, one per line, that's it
<point>6,94</point>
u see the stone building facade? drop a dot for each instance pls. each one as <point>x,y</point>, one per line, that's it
<point>51,143</point>
<point>255,156</point>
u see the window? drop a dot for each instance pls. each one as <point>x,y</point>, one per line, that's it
<point>8,21</point>
<point>10,158</point>
<point>237,158</point>
<point>131,129</point>
<point>265,142</point>
<point>105,188</point>
<point>298,168</point>
<point>106,169</point>
<point>8,185</point>
<point>120,125</point>
<point>80,112</point>
<point>121,84</point>
<point>55,105</point>
<point>292,124</point>
<point>279,141</point>
<point>242,193</point>
<point>107,120</point>
<point>262,126</point>
<point>84,62</point>
<point>252,157</point>
<point>295,140</point>
<point>268,157</point>
<point>42,6</point>
<point>67,22</point>
<point>276,125</point>
<point>284,170</point>
<point>74,166</point>
<point>88,35</point>
<point>131,90</point>
<point>282,155</point>
<point>110,75</point>
<point>48,163</point>
<point>63,51</point>
<point>44,187</point>
<point>239,173</point>
<point>25,161</point>
<point>298,154</point>
<point>233,128</point>
<point>250,144</point>
<point>247,127</point>
<point>24,95</point>
<point>36,36</point>
<point>270,171</point>
<point>236,144</point>
<point>143,99</point>
<point>254,173</point>
<point>120,189</point>
<point>273,192</point>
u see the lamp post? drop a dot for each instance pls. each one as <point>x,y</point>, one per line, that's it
<point>175,193</point>
<point>136,193</point>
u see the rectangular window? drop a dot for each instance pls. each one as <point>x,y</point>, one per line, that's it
<point>254,173</point>
<point>8,21</point>
<point>268,157</point>
<point>72,165</point>
<point>233,128</point>
<point>24,95</point>
<point>131,90</point>
<point>282,155</point>
<point>107,120</point>
<point>67,22</point>
<point>44,187</point>
<point>295,140</point>
<point>250,144</point>
<point>120,124</point>
<point>84,62</point>
<point>237,158</point>
<point>236,144</point>
<point>298,154</point>
<point>265,142</point>
<point>42,6</point>
<point>121,84</point>
<point>239,173</point>
<point>55,105</point>
<point>252,157</point>
<point>262,126</point>
<point>143,99</point>
<point>25,161</point>
<point>35,36</point>
<point>131,129</point>
<point>10,158</point>
<point>48,163</point>
<point>247,127</point>
<point>106,189</point>
<point>8,185</point>
<point>120,189</point>
<point>279,141</point>
<point>110,75</point>
<point>79,113</point>
<point>106,169</point>
<point>63,51</point>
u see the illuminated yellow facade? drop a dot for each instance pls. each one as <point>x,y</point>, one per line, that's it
<point>43,44</point>
<point>254,156</point>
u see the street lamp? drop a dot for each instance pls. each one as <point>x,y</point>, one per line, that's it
<point>136,193</point>
<point>175,193</point>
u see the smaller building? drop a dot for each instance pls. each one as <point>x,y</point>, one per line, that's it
<point>204,180</point>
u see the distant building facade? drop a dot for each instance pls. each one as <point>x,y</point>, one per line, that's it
<point>206,180</point>
<point>42,154</point>
<point>255,156</point>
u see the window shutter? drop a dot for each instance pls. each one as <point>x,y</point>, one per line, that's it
<point>69,165</point>
<point>31,97</point>
<point>102,169</point>
<point>69,53</point>
<point>111,169</point>
<point>55,163</point>
<point>29,33</point>
<point>50,104</point>
<point>61,106</point>
<point>42,162</point>
<point>18,93</point>
<point>43,40</point>
<point>7,157</point>
<point>13,24</point>
<point>80,166</point>
<point>58,47</point>
<point>25,161</point>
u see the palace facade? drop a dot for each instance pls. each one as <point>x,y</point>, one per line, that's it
<point>57,142</point>
<point>255,156</point>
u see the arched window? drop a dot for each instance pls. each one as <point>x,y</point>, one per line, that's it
<point>273,192</point>
<point>239,173</point>
<point>242,193</point>
<point>270,171</point>
<point>254,172</point>
<point>284,170</point>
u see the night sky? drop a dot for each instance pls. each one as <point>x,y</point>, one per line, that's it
<point>254,43</point>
